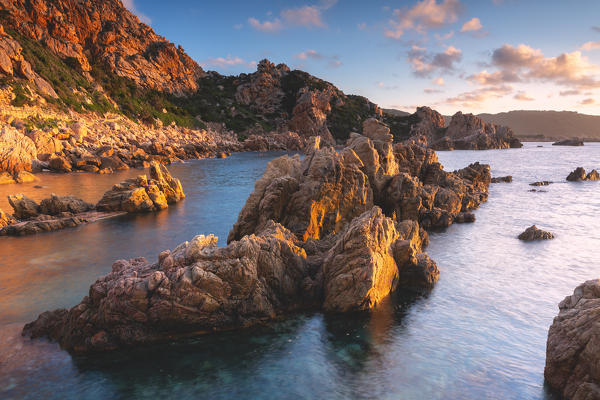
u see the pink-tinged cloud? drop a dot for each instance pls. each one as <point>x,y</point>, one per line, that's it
<point>472,25</point>
<point>569,93</point>
<point>306,16</point>
<point>432,91</point>
<point>313,54</point>
<point>439,81</point>
<point>130,5</point>
<point>424,15</point>
<point>495,78</point>
<point>589,46</point>
<point>587,102</point>
<point>226,62</point>
<point>267,26</point>
<point>424,64</point>
<point>477,97</point>
<point>446,36</point>
<point>522,96</point>
<point>528,64</point>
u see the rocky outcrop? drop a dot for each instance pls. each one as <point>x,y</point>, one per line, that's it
<point>336,231</point>
<point>142,194</point>
<point>573,347</point>
<point>569,142</point>
<point>505,179</point>
<point>263,91</point>
<point>5,219</point>
<point>309,117</point>
<point>534,233</point>
<point>290,141</point>
<point>580,175</point>
<point>17,151</point>
<point>104,33</point>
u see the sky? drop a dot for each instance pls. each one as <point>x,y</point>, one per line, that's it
<point>473,56</point>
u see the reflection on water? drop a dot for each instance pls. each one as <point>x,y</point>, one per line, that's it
<point>479,334</point>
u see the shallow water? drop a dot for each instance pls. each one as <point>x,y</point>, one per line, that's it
<point>480,333</point>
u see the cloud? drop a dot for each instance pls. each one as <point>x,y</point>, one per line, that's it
<point>226,62</point>
<point>431,91</point>
<point>587,102</point>
<point>424,15</point>
<point>596,28</point>
<point>589,46</point>
<point>446,36</point>
<point>495,78</point>
<point>569,93</point>
<point>439,81</point>
<point>472,25</point>
<point>362,26</point>
<point>382,85</point>
<point>424,64</point>
<point>522,96</point>
<point>305,16</point>
<point>130,5</point>
<point>528,64</point>
<point>313,54</point>
<point>332,61</point>
<point>476,97</point>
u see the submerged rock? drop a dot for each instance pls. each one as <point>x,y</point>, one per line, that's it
<point>534,233</point>
<point>540,183</point>
<point>336,231</point>
<point>573,347</point>
<point>580,175</point>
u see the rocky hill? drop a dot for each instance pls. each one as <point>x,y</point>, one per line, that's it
<point>548,125</point>
<point>68,62</point>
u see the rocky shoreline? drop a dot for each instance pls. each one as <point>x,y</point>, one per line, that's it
<point>337,231</point>
<point>133,195</point>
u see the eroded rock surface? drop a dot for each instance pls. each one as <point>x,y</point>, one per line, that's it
<point>337,231</point>
<point>579,175</point>
<point>573,347</point>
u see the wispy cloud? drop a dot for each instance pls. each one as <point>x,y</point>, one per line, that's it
<point>475,98</point>
<point>569,93</point>
<point>332,61</point>
<point>305,16</point>
<point>596,28</point>
<point>226,62</point>
<point>587,102</point>
<point>439,81</point>
<point>589,46</point>
<point>130,5</point>
<point>522,96</point>
<point>471,25</point>
<point>424,15</point>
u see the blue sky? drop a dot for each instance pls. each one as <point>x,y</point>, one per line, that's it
<point>476,56</point>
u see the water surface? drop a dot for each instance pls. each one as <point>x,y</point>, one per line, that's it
<point>480,333</point>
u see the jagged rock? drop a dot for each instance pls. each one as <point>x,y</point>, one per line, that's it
<point>540,183</point>
<point>263,92</point>
<point>309,116</point>
<point>369,260</point>
<point>143,195</point>
<point>5,219</point>
<point>580,175</point>
<point>377,130</point>
<point>54,205</point>
<point>111,34</point>
<point>569,142</point>
<point>45,144</point>
<point>573,347</point>
<point>59,163</point>
<point>17,151</point>
<point>25,177</point>
<point>23,206</point>
<point>203,289</point>
<point>506,179</point>
<point>534,233</point>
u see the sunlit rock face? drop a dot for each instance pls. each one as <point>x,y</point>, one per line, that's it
<point>573,347</point>
<point>337,231</point>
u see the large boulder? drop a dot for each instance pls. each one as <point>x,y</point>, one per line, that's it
<point>141,194</point>
<point>45,144</point>
<point>5,219</point>
<point>579,175</point>
<point>569,142</point>
<point>573,347</point>
<point>17,151</point>
<point>54,205</point>
<point>534,233</point>
<point>23,206</point>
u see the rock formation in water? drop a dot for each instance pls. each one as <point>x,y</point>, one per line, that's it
<point>505,179</point>
<point>141,194</point>
<point>573,347</point>
<point>465,132</point>
<point>569,142</point>
<point>540,183</point>
<point>579,175</point>
<point>336,231</point>
<point>57,212</point>
<point>534,233</point>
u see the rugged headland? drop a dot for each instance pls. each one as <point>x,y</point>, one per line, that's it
<point>85,86</point>
<point>337,231</point>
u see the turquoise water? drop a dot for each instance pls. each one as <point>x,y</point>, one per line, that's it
<point>480,333</point>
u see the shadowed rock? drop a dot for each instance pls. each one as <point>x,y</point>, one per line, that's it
<point>505,179</point>
<point>534,233</point>
<point>573,347</point>
<point>569,142</point>
<point>580,175</point>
